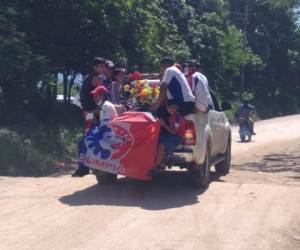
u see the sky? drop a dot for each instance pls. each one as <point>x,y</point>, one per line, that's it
<point>78,79</point>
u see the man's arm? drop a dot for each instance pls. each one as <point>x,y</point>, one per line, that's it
<point>162,97</point>
<point>163,93</point>
<point>163,88</point>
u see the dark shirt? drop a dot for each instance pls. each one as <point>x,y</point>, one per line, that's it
<point>107,84</point>
<point>163,114</point>
<point>244,112</point>
<point>86,98</point>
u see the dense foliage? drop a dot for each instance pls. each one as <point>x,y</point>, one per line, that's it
<point>234,38</point>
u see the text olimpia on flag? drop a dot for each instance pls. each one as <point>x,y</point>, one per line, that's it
<point>125,146</point>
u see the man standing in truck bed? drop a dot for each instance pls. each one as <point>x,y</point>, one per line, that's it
<point>90,82</point>
<point>199,85</point>
<point>174,86</point>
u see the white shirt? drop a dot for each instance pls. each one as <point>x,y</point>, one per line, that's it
<point>200,89</point>
<point>108,111</point>
<point>178,87</point>
<point>201,78</point>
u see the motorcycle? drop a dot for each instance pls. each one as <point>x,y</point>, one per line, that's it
<point>245,131</point>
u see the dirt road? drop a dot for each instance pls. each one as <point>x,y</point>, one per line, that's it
<point>257,206</point>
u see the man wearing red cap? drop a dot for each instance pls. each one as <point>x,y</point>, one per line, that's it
<point>105,111</point>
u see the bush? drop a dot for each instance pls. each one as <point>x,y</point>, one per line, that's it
<point>35,154</point>
<point>32,147</point>
<point>19,157</point>
<point>230,113</point>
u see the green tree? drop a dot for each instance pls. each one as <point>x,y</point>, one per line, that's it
<point>270,32</point>
<point>20,66</point>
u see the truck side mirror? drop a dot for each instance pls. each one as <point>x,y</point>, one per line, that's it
<point>226,106</point>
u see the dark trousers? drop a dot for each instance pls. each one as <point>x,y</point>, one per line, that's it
<point>79,146</point>
<point>186,108</point>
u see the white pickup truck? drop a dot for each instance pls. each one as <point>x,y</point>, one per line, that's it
<point>207,143</point>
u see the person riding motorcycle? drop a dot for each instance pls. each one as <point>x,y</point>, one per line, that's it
<point>245,112</point>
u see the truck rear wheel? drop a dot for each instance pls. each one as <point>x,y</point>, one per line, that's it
<point>105,178</point>
<point>223,167</point>
<point>200,175</point>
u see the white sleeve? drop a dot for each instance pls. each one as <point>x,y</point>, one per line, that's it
<point>168,75</point>
<point>108,112</point>
<point>205,82</point>
<point>202,95</point>
<point>112,112</point>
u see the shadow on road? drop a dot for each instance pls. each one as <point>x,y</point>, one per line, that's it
<point>273,164</point>
<point>245,142</point>
<point>170,190</point>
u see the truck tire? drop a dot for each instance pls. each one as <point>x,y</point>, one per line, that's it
<point>223,167</point>
<point>200,175</point>
<point>105,178</point>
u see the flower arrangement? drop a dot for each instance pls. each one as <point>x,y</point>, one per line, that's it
<point>141,93</point>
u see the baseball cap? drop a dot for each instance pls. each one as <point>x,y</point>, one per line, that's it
<point>193,62</point>
<point>99,90</point>
<point>109,64</point>
<point>98,60</point>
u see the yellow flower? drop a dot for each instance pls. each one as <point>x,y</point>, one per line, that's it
<point>126,88</point>
<point>132,91</point>
<point>155,92</point>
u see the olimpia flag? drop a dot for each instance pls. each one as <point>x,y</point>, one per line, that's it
<point>126,145</point>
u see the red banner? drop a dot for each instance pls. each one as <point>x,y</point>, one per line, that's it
<point>125,146</point>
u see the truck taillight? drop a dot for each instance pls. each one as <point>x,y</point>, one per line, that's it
<point>190,134</point>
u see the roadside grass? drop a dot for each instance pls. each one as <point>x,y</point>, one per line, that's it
<point>36,153</point>
<point>230,113</point>
<point>38,148</point>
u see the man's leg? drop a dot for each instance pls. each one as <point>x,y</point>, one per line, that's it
<point>159,159</point>
<point>81,170</point>
<point>160,155</point>
<point>251,126</point>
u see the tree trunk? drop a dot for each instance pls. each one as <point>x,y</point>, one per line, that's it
<point>71,84</point>
<point>65,87</point>
<point>55,91</point>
